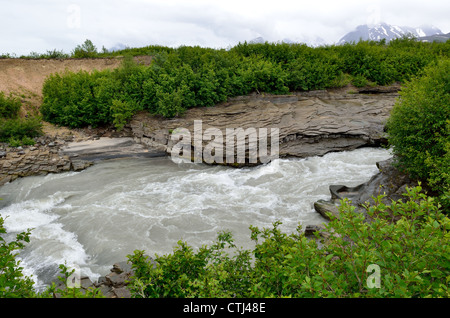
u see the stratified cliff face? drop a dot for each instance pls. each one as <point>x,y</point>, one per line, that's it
<point>309,124</point>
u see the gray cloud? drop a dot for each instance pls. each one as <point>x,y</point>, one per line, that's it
<point>45,25</point>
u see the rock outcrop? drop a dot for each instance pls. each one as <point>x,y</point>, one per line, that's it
<point>310,124</point>
<point>107,148</point>
<point>389,181</point>
<point>112,285</point>
<point>53,155</point>
<point>42,158</point>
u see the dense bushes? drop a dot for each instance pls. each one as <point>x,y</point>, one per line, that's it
<point>9,106</point>
<point>186,77</point>
<point>20,131</point>
<point>13,129</point>
<point>419,128</point>
<point>403,252</point>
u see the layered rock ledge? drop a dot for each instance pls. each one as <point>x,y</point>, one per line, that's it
<point>42,158</point>
<point>310,123</point>
<point>107,148</point>
<point>50,155</point>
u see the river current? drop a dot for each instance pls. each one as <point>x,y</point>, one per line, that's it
<point>95,218</point>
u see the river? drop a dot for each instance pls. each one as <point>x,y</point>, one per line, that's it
<point>94,218</point>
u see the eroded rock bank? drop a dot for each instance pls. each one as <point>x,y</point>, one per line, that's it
<point>389,181</point>
<point>40,159</point>
<point>309,123</point>
<point>64,150</point>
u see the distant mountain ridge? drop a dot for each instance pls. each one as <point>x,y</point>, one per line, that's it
<point>436,38</point>
<point>388,32</point>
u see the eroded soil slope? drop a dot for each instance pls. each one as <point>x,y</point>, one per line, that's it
<point>25,77</point>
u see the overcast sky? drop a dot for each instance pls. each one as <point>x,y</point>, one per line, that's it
<point>37,26</point>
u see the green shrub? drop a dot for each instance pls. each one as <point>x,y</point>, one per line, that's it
<point>13,283</point>
<point>85,50</point>
<point>359,81</point>
<point>78,99</point>
<point>9,106</point>
<point>20,130</point>
<point>25,141</point>
<point>407,241</point>
<point>419,127</point>
<point>15,130</point>
<point>121,113</point>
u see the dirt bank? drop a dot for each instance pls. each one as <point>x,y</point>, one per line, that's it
<point>25,77</point>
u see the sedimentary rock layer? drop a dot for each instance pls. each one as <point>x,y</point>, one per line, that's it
<point>309,124</point>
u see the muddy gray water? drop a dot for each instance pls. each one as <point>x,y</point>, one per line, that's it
<point>94,218</point>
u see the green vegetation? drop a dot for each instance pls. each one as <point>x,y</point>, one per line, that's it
<point>419,128</point>
<point>186,77</point>
<point>9,106</point>
<point>85,50</point>
<point>407,241</point>
<point>15,130</point>
<point>13,283</point>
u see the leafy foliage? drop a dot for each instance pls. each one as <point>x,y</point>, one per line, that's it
<point>15,130</point>
<point>9,106</point>
<point>13,283</point>
<point>407,240</point>
<point>419,127</point>
<point>85,50</point>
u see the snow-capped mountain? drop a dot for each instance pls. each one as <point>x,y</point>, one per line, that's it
<point>388,32</point>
